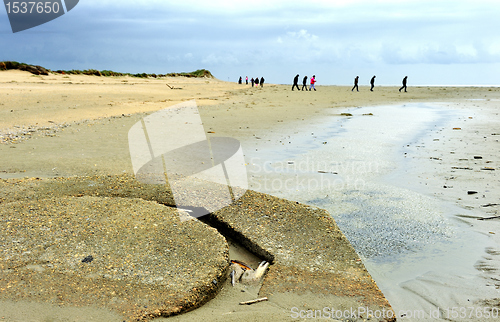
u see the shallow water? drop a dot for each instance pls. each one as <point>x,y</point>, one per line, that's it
<point>419,253</point>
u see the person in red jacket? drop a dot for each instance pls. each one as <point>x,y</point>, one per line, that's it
<point>313,81</point>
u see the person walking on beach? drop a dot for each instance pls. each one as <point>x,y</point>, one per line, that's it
<point>252,81</point>
<point>246,79</point>
<point>256,81</point>
<point>372,83</point>
<point>296,82</point>
<point>240,81</point>
<point>262,82</point>
<point>304,83</point>
<point>404,84</point>
<point>355,84</point>
<point>313,81</point>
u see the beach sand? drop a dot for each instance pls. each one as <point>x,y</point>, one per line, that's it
<point>66,126</point>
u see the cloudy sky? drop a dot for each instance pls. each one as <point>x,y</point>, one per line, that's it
<point>437,42</point>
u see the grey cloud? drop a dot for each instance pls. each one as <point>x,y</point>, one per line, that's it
<point>159,38</point>
<point>437,54</point>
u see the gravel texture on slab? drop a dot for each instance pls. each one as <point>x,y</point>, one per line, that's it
<point>308,251</point>
<point>132,256</point>
<point>124,186</point>
<point>110,241</point>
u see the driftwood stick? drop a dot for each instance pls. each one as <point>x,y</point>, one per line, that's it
<point>171,87</point>
<point>490,205</point>
<point>262,299</point>
<point>486,218</point>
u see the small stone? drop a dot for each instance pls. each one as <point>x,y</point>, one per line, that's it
<point>88,259</point>
<point>471,192</point>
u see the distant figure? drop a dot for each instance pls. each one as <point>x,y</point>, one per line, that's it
<point>404,84</point>
<point>372,82</point>
<point>252,81</point>
<point>355,84</point>
<point>240,81</point>
<point>313,81</point>
<point>296,82</point>
<point>246,79</point>
<point>262,82</point>
<point>256,81</point>
<point>304,83</point>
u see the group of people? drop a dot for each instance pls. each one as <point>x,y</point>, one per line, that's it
<point>304,83</point>
<point>372,83</point>
<point>255,81</point>
<point>356,79</point>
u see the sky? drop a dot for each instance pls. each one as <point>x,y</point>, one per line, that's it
<point>437,42</point>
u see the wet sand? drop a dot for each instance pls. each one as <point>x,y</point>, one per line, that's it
<point>76,125</point>
<point>396,199</point>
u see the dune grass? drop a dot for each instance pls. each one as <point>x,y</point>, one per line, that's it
<point>7,65</point>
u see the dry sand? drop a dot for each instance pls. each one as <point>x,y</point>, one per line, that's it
<point>70,125</point>
<point>41,106</point>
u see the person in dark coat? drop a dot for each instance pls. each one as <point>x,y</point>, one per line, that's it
<point>355,84</point>
<point>240,81</point>
<point>404,84</point>
<point>296,82</point>
<point>372,83</point>
<point>304,83</point>
<point>256,81</point>
<point>253,81</point>
<point>262,82</point>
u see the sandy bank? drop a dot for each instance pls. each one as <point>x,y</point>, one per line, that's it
<point>77,126</point>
